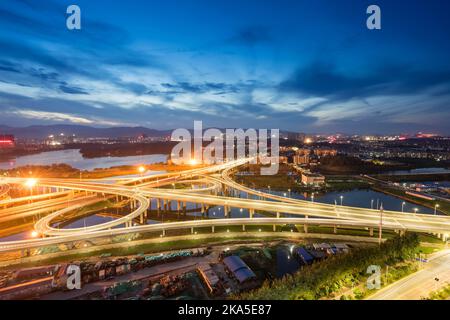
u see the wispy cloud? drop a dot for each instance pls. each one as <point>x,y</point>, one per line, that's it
<point>52,116</point>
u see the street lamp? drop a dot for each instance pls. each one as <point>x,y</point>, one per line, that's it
<point>371,204</point>
<point>416,210</point>
<point>34,234</point>
<point>403,206</point>
<point>342,198</point>
<point>435,208</point>
<point>141,169</point>
<point>312,197</point>
<point>30,183</point>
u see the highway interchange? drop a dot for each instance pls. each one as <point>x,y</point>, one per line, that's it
<point>215,182</point>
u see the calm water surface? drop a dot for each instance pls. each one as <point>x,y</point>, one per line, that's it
<point>74,158</point>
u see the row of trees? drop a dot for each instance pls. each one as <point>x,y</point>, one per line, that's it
<point>323,278</point>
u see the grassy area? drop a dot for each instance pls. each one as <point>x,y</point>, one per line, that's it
<point>415,177</point>
<point>390,274</point>
<point>66,171</point>
<point>426,249</point>
<point>442,294</point>
<point>280,181</point>
<point>348,232</point>
<point>333,184</point>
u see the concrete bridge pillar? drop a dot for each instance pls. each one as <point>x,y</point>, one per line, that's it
<point>158,204</point>
<point>141,218</point>
<point>212,229</point>
<point>149,205</point>
<point>371,232</point>
<point>164,232</point>
<point>203,209</point>
<point>192,230</point>
<point>243,227</point>
<point>252,212</point>
<point>178,206</point>
<point>335,229</point>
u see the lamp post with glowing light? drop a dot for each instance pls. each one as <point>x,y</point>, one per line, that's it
<point>141,170</point>
<point>30,183</point>
<point>342,198</point>
<point>403,206</point>
<point>380,231</point>
<point>436,206</point>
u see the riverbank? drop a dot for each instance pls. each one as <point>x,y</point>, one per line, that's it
<point>444,206</point>
<point>415,177</point>
<point>68,172</point>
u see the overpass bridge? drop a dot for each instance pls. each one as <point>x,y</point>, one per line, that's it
<point>141,190</point>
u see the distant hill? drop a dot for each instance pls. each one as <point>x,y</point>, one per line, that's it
<point>43,131</point>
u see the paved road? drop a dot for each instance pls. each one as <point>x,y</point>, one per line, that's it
<point>420,284</point>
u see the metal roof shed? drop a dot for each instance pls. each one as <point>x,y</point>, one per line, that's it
<point>234,263</point>
<point>244,274</point>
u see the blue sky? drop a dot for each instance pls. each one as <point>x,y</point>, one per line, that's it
<point>309,66</point>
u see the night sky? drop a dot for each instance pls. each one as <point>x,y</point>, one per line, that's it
<point>308,66</point>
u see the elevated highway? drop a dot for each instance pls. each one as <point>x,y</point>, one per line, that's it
<point>140,191</point>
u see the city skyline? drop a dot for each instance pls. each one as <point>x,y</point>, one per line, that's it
<point>294,65</point>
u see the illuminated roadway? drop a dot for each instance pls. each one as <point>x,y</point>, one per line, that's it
<point>140,190</point>
<point>419,285</point>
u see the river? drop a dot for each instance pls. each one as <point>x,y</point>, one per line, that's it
<point>74,158</point>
